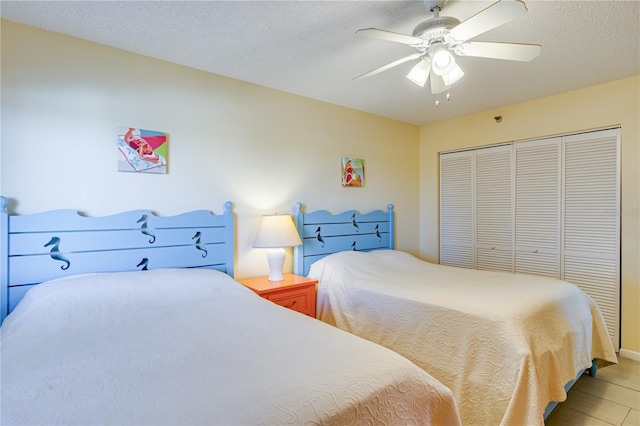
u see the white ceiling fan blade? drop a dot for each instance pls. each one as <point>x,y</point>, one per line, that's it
<point>389,36</point>
<point>437,83</point>
<point>391,65</point>
<point>495,15</point>
<point>508,51</point>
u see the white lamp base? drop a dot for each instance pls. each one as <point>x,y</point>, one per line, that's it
<point>275,257</point>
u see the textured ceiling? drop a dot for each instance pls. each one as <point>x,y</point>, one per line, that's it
<point>309,47</point>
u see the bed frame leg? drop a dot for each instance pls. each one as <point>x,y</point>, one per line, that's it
<point>594,368</point>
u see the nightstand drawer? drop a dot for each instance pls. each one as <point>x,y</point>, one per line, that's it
<point>294,292</point>
<point>298,301</point>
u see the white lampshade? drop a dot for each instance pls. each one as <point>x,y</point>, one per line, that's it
<point>275,232</point>
<point>454,75</point>
<point>443,62</point>
<point>437,84</point>
<point>420,73</point>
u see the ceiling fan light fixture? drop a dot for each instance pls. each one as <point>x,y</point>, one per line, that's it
<point>443,62</point>
<point>453,76</point>
<point>419,74</point>
<point>437,38</point>
<point>437,84</point>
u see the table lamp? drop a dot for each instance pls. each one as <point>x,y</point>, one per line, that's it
<point>275,232</point>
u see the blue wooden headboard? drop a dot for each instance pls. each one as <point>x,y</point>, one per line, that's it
<point>324,233</point>
<point>39,247</point>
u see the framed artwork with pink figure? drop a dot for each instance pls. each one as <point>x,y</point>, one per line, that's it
<point>352,171</point>
<point>141,151</point>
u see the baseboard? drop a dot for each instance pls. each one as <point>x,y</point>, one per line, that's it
<point>630,354</point>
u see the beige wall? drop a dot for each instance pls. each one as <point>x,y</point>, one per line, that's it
<point>615,103</point>
<point>262,149</point>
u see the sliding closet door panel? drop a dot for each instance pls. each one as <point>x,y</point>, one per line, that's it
<point>596,277</point>
<point>456,209</point>
<point>537,207</point>
<point>493,207</point>
<point>591,228</point>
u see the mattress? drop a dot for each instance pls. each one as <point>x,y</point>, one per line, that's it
<point>505,344</point>
<point>193,346</point>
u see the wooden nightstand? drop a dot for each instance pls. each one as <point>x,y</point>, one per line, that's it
<point>294,292</point>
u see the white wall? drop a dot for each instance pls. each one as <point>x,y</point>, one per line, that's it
<point>262,149</point>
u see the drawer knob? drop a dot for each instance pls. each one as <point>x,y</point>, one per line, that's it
<point>291,305</point>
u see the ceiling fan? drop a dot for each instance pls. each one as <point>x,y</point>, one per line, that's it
<point>436,38</point>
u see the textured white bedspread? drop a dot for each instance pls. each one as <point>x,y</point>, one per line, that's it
<point>195,347</point>
<point>505,344</point>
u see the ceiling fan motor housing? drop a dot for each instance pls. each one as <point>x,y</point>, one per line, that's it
<point>435,28</point>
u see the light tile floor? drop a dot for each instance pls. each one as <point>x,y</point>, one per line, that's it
<point>611,398</point>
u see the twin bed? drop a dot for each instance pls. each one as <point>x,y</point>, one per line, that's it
<point>506,345</point>
<point>136,319</point>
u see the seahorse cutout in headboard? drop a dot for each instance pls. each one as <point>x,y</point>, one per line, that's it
<point>378,232</point>
<point>354,223</point>
<point>144,263</point>
<point>353,246</point>
<point>319,237</point>
<point>55,252</point>
<point>144,228</point>
<point>199,244</point>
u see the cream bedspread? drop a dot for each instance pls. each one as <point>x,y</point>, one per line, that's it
<point>195,347</point>
<point>505,344</point>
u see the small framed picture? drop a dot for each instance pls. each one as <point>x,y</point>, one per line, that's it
<point>352,171</point>
<point>142,151</point>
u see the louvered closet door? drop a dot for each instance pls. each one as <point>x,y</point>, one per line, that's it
<point>537,207</point>
<point>591,228</point>
<point>456,209</point>
<point>493,208</point>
